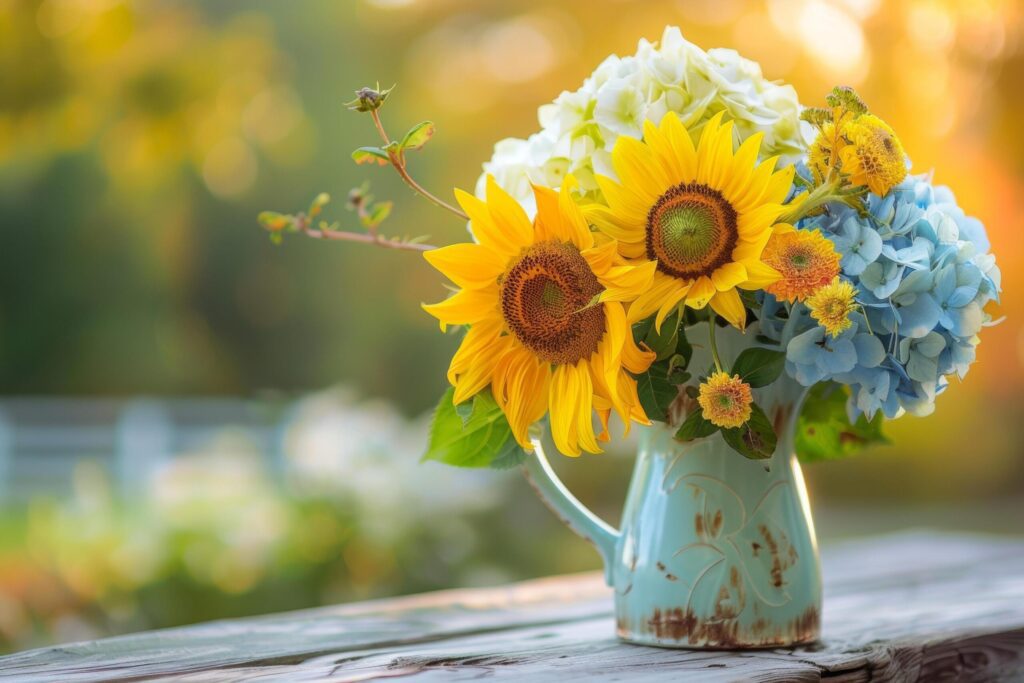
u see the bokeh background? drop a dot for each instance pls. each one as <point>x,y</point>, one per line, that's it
<point>195,423</point>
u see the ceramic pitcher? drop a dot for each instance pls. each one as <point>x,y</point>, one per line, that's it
<point>715,550</point>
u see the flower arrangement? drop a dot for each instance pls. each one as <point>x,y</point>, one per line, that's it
<point>678,191</point>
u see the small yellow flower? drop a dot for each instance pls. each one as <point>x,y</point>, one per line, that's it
<point>725,400</point>
<point>832,305</point>
<point>805,258</point>
<point>827,148</point>
<point>874,156</point>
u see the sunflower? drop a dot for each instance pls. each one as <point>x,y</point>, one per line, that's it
<point>544,302</point>
<point>703,214</point>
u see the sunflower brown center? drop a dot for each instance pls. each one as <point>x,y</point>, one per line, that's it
<point>691,231</point>
<point>546,298</point>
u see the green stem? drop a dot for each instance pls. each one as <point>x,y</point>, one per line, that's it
<point>864,313</point>
<point>818,197</point>
<point>398,163</point>
<point>711,340</point>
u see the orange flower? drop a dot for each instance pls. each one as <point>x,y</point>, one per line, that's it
<point>806,259</point>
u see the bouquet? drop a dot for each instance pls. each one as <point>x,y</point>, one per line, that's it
<point>678,186</point>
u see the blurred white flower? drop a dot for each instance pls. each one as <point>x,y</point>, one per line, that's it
<point>368,455</point>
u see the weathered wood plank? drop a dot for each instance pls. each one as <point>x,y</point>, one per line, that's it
<point>919,606</point>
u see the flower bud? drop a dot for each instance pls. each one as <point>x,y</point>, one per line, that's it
<point>368,99</point>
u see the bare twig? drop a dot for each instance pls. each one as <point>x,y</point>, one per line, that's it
<point>302,223</point>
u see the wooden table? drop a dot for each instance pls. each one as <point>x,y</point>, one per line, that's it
<point>908,607</point>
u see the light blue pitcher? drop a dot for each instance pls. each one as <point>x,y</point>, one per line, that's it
<point>715,550</point>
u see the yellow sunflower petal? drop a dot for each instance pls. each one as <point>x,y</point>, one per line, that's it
<point>482,225</point>
<point>751,248</point>
<point>700,293</point>
<point>669,305</point>
<point>751,196</point>
<point>563,402</point>
<point>662,287</point>
<point>476,377</point>
<point>637,168</point>
<point>528,396</point>
<point>627,388</point>
<point>481,340</point>
<point>467,265</point>
<point>752,222</point>
<point>466,307</point>
<point>603,414</point>
<point>629,236</point>
<point>626,283</point>
<point>729,305</point>
<point>759,274</point>
<point>714,151</point>
<point>602,256</point>
<point>743,165</point>
<point>548,223</point>
<point>610,351</point>
<point>682,146</point>
<point>664,154</point>
<point>584,414</point>
<point>627,201</point>
<point>728,275</point>
<point>634,358</point>
<point>573,220</point>
<point>508,215</point>
<point>521,388</point>
<point>560,218</point>
<point>779,185</point>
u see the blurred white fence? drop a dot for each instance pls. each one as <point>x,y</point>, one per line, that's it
<point>329,444</point>
<point>42,439</point>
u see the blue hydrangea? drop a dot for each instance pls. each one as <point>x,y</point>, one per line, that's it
<point>923,274</point>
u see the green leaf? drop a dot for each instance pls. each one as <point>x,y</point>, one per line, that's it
<point>377,214</point>
<point>656,392</point>
<point>418,135</point>
<point>824,430</point>
<point>478,437</point>
<point>274,221</point>
<point>510,455</point>
<point>641,329</point>
<point>464,410</point>
<point>696,426</point>
<point>756,439</point>
<point>683,347</point>
<point>759,367</point>
<point>318,204</point>
<point>664,342</point>
<point>676,371</point>
<point>370,155</point>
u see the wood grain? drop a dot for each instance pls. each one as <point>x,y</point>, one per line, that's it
<point>914,606</point>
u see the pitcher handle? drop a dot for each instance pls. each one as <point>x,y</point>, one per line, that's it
<point>576,516</point>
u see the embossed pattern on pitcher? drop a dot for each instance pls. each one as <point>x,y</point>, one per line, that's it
<point>716,550</point>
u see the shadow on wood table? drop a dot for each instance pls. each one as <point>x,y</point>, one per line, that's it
<point>912,606</point>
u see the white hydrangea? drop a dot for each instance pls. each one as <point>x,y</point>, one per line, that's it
<point>579,129</point>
